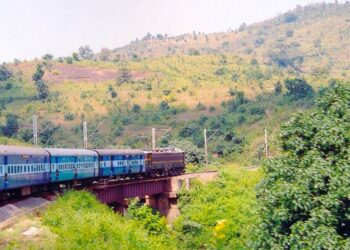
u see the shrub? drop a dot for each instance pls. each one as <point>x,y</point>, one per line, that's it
<point>200,107</point>
<point>136,108</point>
<point>278,88</point>
<point>84,223</point>
<point>39,73</point>
<point>289,33</point>
<point>166,92</point>
<point>69,60</point>
<point>47,132</point>
<point>212,108</point>
<point>257,111</point>
<point>193,52</point>
<point>69,116</point>
<point>124,76</point>
<point>42,88</point>
<point>220,71</point>
<point>113,94</point>
<point>8,85</point>
<point>25,134</point>
<point>219,215</point>
<point>290,18</point>
<point>5,73</point>
<point>11,126</point>
<point>85,52</point>
<point>298,88</point>
<point>304,196</point>
<point>152,222</point>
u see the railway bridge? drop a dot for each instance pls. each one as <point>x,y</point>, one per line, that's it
<point>160,193</point>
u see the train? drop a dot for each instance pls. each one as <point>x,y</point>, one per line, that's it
<point>25,169</point>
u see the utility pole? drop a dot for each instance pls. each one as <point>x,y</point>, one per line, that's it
<point>35,131</point>
<point>85,134</point>
<point>153,139</point>
<point>266,145</point>
<point>206,146</point>
<point>206,140</point>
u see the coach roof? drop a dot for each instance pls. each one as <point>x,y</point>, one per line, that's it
<point>70,152</point>
<point>119,151</point>
<point>15,150</point>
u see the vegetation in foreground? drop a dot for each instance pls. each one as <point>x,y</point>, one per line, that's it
<point>217,215</point>
<point>304,195</point>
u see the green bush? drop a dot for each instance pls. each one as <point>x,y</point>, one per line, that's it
<point>124,76</point>
<point>69,116</point>
<point>81,222</point>
<point>219,215</point>
<point>11,127</point>
<point>304,196</point>
<point>5,73</point>
<point>39,73</point>
<point>153,222</point>
<point>298,88</point>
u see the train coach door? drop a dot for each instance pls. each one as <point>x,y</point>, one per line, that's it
<point>148,162</point>
<point>127,168</point>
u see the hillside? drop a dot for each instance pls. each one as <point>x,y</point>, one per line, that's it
<point>318,35</point>
<point>186,82</point>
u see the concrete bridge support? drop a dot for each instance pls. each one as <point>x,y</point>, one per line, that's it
<point>160,193</point>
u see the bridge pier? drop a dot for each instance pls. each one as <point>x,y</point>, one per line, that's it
<point>160,193</point>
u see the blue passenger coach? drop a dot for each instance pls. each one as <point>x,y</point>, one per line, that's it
<point>22,166</point>
<point>72,164</point>
<point>121,161</point>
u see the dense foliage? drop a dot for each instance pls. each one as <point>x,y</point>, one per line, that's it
<point>5,73</point>
<point>81,222</point>
<point>219,215</point>
<point>153,222</point>
<point>305,193</point>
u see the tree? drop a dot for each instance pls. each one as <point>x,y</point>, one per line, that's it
<point>75,56</point>
<point>47,133</point>
<point>5,73</point>
<point>85,52</point>
<point>290,18</point>
<point>39,73</point>
<point>242,27</point>
<point>47,57</point>
<point>278,88</point>
<point>104,54</point>
<point>42,88</point>
<point>136,108</point>
<point>304,196</point>
<point>154,223</point>
<point>298,88</point>
<point>69,60</point>
<point>124,76</point>
<point>11,127</point>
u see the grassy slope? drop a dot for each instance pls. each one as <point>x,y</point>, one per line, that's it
<point>190,79</point>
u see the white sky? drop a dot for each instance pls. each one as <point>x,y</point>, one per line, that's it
<point>31,28</point>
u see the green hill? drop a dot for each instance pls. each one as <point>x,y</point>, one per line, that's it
<point>188,83</point>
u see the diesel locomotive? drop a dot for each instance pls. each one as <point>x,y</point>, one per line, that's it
<point>26,169</point>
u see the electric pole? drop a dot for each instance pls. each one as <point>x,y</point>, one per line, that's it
<point>35,131</point>
<point>266,145</point>
<point>206,140</point>
<point>85,134</point>
<point>153,139</point>
<point>205,146</point>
